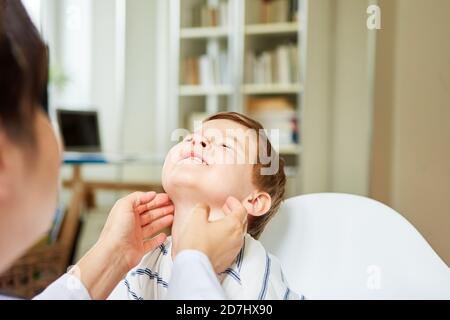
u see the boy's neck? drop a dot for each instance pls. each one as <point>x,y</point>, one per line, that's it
<point>184,209</point>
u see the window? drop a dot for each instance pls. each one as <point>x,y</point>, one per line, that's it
<point>34,10</point>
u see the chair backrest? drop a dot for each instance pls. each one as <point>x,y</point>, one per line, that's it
<point>338,246</point>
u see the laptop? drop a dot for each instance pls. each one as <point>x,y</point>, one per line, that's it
<point>81,135</point>
<point>80,132</point>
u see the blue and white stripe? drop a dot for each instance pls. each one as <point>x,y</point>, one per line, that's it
<point>163,249</point>
<point>236,274</point>
<point>152,275</point>
<point>240,257</point>
<point>263,292</point>
<point>132,293</point>
<point>288,290</point>
<point>286,295</point>
<point>255,274</point>
<point>233,274</point>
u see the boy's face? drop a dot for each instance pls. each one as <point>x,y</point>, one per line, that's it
<point>213,163</point>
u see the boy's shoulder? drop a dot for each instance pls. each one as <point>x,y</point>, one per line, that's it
<point>258,273</point>
<point>254,249</point>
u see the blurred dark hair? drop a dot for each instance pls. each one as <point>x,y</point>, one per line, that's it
<point>23,71</point>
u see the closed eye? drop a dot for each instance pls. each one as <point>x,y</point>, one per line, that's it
<point>224,145</point>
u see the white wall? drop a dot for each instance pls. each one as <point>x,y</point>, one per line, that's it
<point>104,71</point>
<point>84,48</point>
<point>412,147</point>
<point>351,123</point>
<point>337,119</point>
<point>104,87</point>
<point>75,52</point>
<point>141,112</point>
<point>316,119</point>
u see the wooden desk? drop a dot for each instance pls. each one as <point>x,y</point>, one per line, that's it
<point>88,188</point>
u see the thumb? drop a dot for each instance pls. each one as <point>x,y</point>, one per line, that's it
<point>237,209</point>
<point>201,212</point>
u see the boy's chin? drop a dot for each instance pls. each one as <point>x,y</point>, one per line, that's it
<point>186,181</point>
<point>194,189</point>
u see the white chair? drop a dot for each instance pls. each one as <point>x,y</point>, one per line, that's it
<point>338,246</point>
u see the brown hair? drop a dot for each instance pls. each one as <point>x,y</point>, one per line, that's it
<point>23,67</point>
<point>273,184</point>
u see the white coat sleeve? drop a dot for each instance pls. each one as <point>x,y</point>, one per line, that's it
<point>193,278</point>
<point>67,287</point>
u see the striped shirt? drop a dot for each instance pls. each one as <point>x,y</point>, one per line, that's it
<point>255,275</point>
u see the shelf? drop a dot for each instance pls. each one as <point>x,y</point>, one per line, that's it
<point>204,32</point>
<point>186,90</point>
<point>272,28</point>
<point>295,88</point>
<point>245,34</point>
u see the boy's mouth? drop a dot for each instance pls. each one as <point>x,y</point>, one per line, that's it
<point>193,157</point>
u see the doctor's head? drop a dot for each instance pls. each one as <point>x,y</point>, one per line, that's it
<point>29,150</point>
<point>230,155</point>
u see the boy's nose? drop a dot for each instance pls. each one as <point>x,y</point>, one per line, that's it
<point>200,141</point>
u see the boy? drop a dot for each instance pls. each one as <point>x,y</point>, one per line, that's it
<point>229,156</point>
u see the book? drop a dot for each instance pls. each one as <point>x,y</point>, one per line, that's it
<point>223,13</point>
<point>276,113</point>
<point>191,73</point>
<point>266,60</point>
<point>278,66</point>
<point>263,11</point>
<point>275,69</point>
<point>224,69</point>
<point>206,77</point>
<point>249,66</point>
<point>278,11</point>
<point>210,15</point>
<point>277,103</point>
<point>294,60</point>
<point>206,70</point>
<point>293,10</point>
<point>283,65</point>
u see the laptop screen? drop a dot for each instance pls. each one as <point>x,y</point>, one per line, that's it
<point>79,130</point>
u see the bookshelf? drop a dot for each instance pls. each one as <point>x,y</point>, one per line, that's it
<point>205,32</point>
<point>293,88</point>
<point>242,55</point>
<point>272,28</point>
<point>196,90</point>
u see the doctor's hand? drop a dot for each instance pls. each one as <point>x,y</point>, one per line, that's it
<point>135,224</point>
<point>220,240</point>
<point>133,228</point>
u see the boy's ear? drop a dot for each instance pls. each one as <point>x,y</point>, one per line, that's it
<point>258,204</point>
